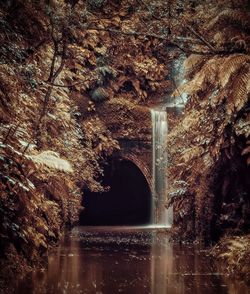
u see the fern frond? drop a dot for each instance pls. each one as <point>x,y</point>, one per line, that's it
<point>207,74</point>
<point>230,16</point>
<point>218,72</point>
<point>229,66</point>
<point>240,89</point>
<point>52,160</point>
<point>242,126</point>
<point>219,38</point>
<point>246,151</point>
<point>192,63</point>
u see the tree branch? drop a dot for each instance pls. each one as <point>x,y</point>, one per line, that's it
<point>199,36</point>
<point>156,36</point>
<point>54,55</point>
<point>52,77</point>
<point>9,132</point>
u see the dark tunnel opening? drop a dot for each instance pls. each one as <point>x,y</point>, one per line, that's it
<point>128,201</point>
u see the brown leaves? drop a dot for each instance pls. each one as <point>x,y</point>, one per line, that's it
<point>234,253</point>
<point>240,89</point>
<point>150,68</point>
<point>242,126</point>
<point>214,132</point>
<point>191,154</point>
<point>227,75</point>
<point>99,137</point>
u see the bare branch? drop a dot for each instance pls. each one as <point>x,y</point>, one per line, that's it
<point>54,75</point>
<point>51,80</point>
<point>169,41</point>
<point>54,55</point>
<point>26,148</point>
<point>9,133</point>
<point>156,36</point>
<point>199,36</point>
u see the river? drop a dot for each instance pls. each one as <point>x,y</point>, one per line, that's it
<point>132,260</point>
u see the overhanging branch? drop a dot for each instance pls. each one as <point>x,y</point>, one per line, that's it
<point>165,38</point>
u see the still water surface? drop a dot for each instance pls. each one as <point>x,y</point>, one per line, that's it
<point>110,260</point>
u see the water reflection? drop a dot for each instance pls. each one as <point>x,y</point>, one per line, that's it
<point>127,261</point>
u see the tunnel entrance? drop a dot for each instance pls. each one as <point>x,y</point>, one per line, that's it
<point>128,201</point>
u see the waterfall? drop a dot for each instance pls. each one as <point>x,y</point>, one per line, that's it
<point>160,216</point>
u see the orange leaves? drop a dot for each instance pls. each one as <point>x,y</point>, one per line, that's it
<point>149,68</point>
<point>242,126</point>
<point>98,137</point>
<point>206,146</point>
<point>116,21</point>
<point>223,80</point>
<point>192,153</point>
<point>129,56</point>
<point>91,106</point>
<point>160,86</point>
<point>101,50</point>
<point>82,55</point>
<point>142,71</point>
<point>239,93</point>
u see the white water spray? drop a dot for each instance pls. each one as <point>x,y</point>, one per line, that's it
<point>160,215</point>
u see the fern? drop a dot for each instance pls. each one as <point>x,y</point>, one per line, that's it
<point>208,74</point>
<point>240,88</point>
<point>242,126</point>
<point>51,160</point>
<point>246,151</point>
<point>231,16</point>
<point>229,65</point>
<point>216,125</point>
<point>192,63</point>
<point>228,74</point>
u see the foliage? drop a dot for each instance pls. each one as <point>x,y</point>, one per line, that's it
<point>43,140</point>
<point>209,147</point>
<point>52,160</point>
<point>25,210</point>
<point>234,253</point>
<point>127,125</point>
<point>76,75</point>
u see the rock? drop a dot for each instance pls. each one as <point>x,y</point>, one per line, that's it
<point>99,94</point>
<point>96,4</point>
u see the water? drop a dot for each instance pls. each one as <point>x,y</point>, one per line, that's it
<point>111,260</point>
<point>160,215</point>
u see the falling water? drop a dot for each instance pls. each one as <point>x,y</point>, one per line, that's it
<point>160,215</point>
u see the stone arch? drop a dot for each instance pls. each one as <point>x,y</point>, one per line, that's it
<point>129,198</point>
<point>142,166</point>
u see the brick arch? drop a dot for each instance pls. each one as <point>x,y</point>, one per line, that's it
<point>142,167</point>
